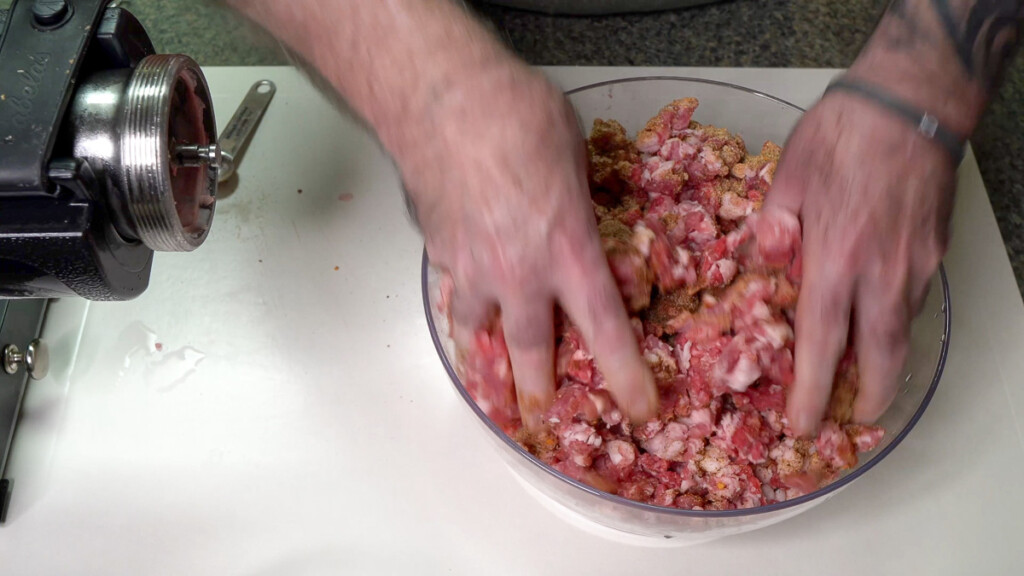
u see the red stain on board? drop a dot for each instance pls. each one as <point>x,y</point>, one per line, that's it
<point>159,346</point>
<point>346,197</point>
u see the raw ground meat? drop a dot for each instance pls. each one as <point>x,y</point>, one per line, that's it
<point>712,286</point>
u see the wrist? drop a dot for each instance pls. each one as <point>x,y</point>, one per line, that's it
<point>923,122</point>
<point>928,82</point>
<point>391,62</point>
<point>454,109</point>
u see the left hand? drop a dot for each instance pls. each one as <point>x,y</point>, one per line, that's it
<point>498,179</point>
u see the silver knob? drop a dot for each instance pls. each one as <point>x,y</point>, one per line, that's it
<point>36,359</point>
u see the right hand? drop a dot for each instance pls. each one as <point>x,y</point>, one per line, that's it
<point>875,199</point>
<point>497,174</point>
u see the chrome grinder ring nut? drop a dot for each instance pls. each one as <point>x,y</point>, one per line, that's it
<point>169,154</point>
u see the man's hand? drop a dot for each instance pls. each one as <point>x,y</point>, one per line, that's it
<point>875,201</point>
<point>500,189</point>
<point>875,196</point>
<point>494,161</point>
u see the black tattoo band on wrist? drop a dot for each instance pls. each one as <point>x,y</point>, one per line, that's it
<point>926,124</point>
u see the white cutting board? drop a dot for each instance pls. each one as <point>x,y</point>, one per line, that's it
<point>296,419</point>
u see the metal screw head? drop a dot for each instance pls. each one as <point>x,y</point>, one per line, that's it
<point>37,359</point>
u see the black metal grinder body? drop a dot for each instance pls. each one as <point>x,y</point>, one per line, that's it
<point>107,151</point>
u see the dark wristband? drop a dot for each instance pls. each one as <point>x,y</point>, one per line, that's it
<point>926,124</point>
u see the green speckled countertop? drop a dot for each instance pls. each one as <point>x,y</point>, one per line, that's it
<point>768,33</point>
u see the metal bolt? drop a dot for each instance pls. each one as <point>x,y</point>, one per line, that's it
<point>11,359</point>
<point>36,358</point>
<point>193,155</point>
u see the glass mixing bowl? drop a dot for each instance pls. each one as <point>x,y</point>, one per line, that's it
<point>756,117</point>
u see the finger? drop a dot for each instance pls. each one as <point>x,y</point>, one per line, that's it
<point>883,342</point>
<point>787,191</point>
<point>471,311</point>
<point>590,297</point>
<point>776,237</point>
<point>530,336</point>
<point>822,326</point>
<point>777,234</point>
<point>924,268</point>
<point>920,298</point>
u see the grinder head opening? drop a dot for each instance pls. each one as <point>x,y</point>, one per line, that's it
<point>168,154</point>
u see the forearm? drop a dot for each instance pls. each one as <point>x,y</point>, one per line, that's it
<point>946,56</point>
<point>392,61</point>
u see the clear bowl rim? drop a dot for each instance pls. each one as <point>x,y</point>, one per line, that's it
<point>679,512</point>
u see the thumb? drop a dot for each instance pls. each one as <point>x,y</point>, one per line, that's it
<point>787,191</point>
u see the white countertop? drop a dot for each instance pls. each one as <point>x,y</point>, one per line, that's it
<point>296,420</point>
